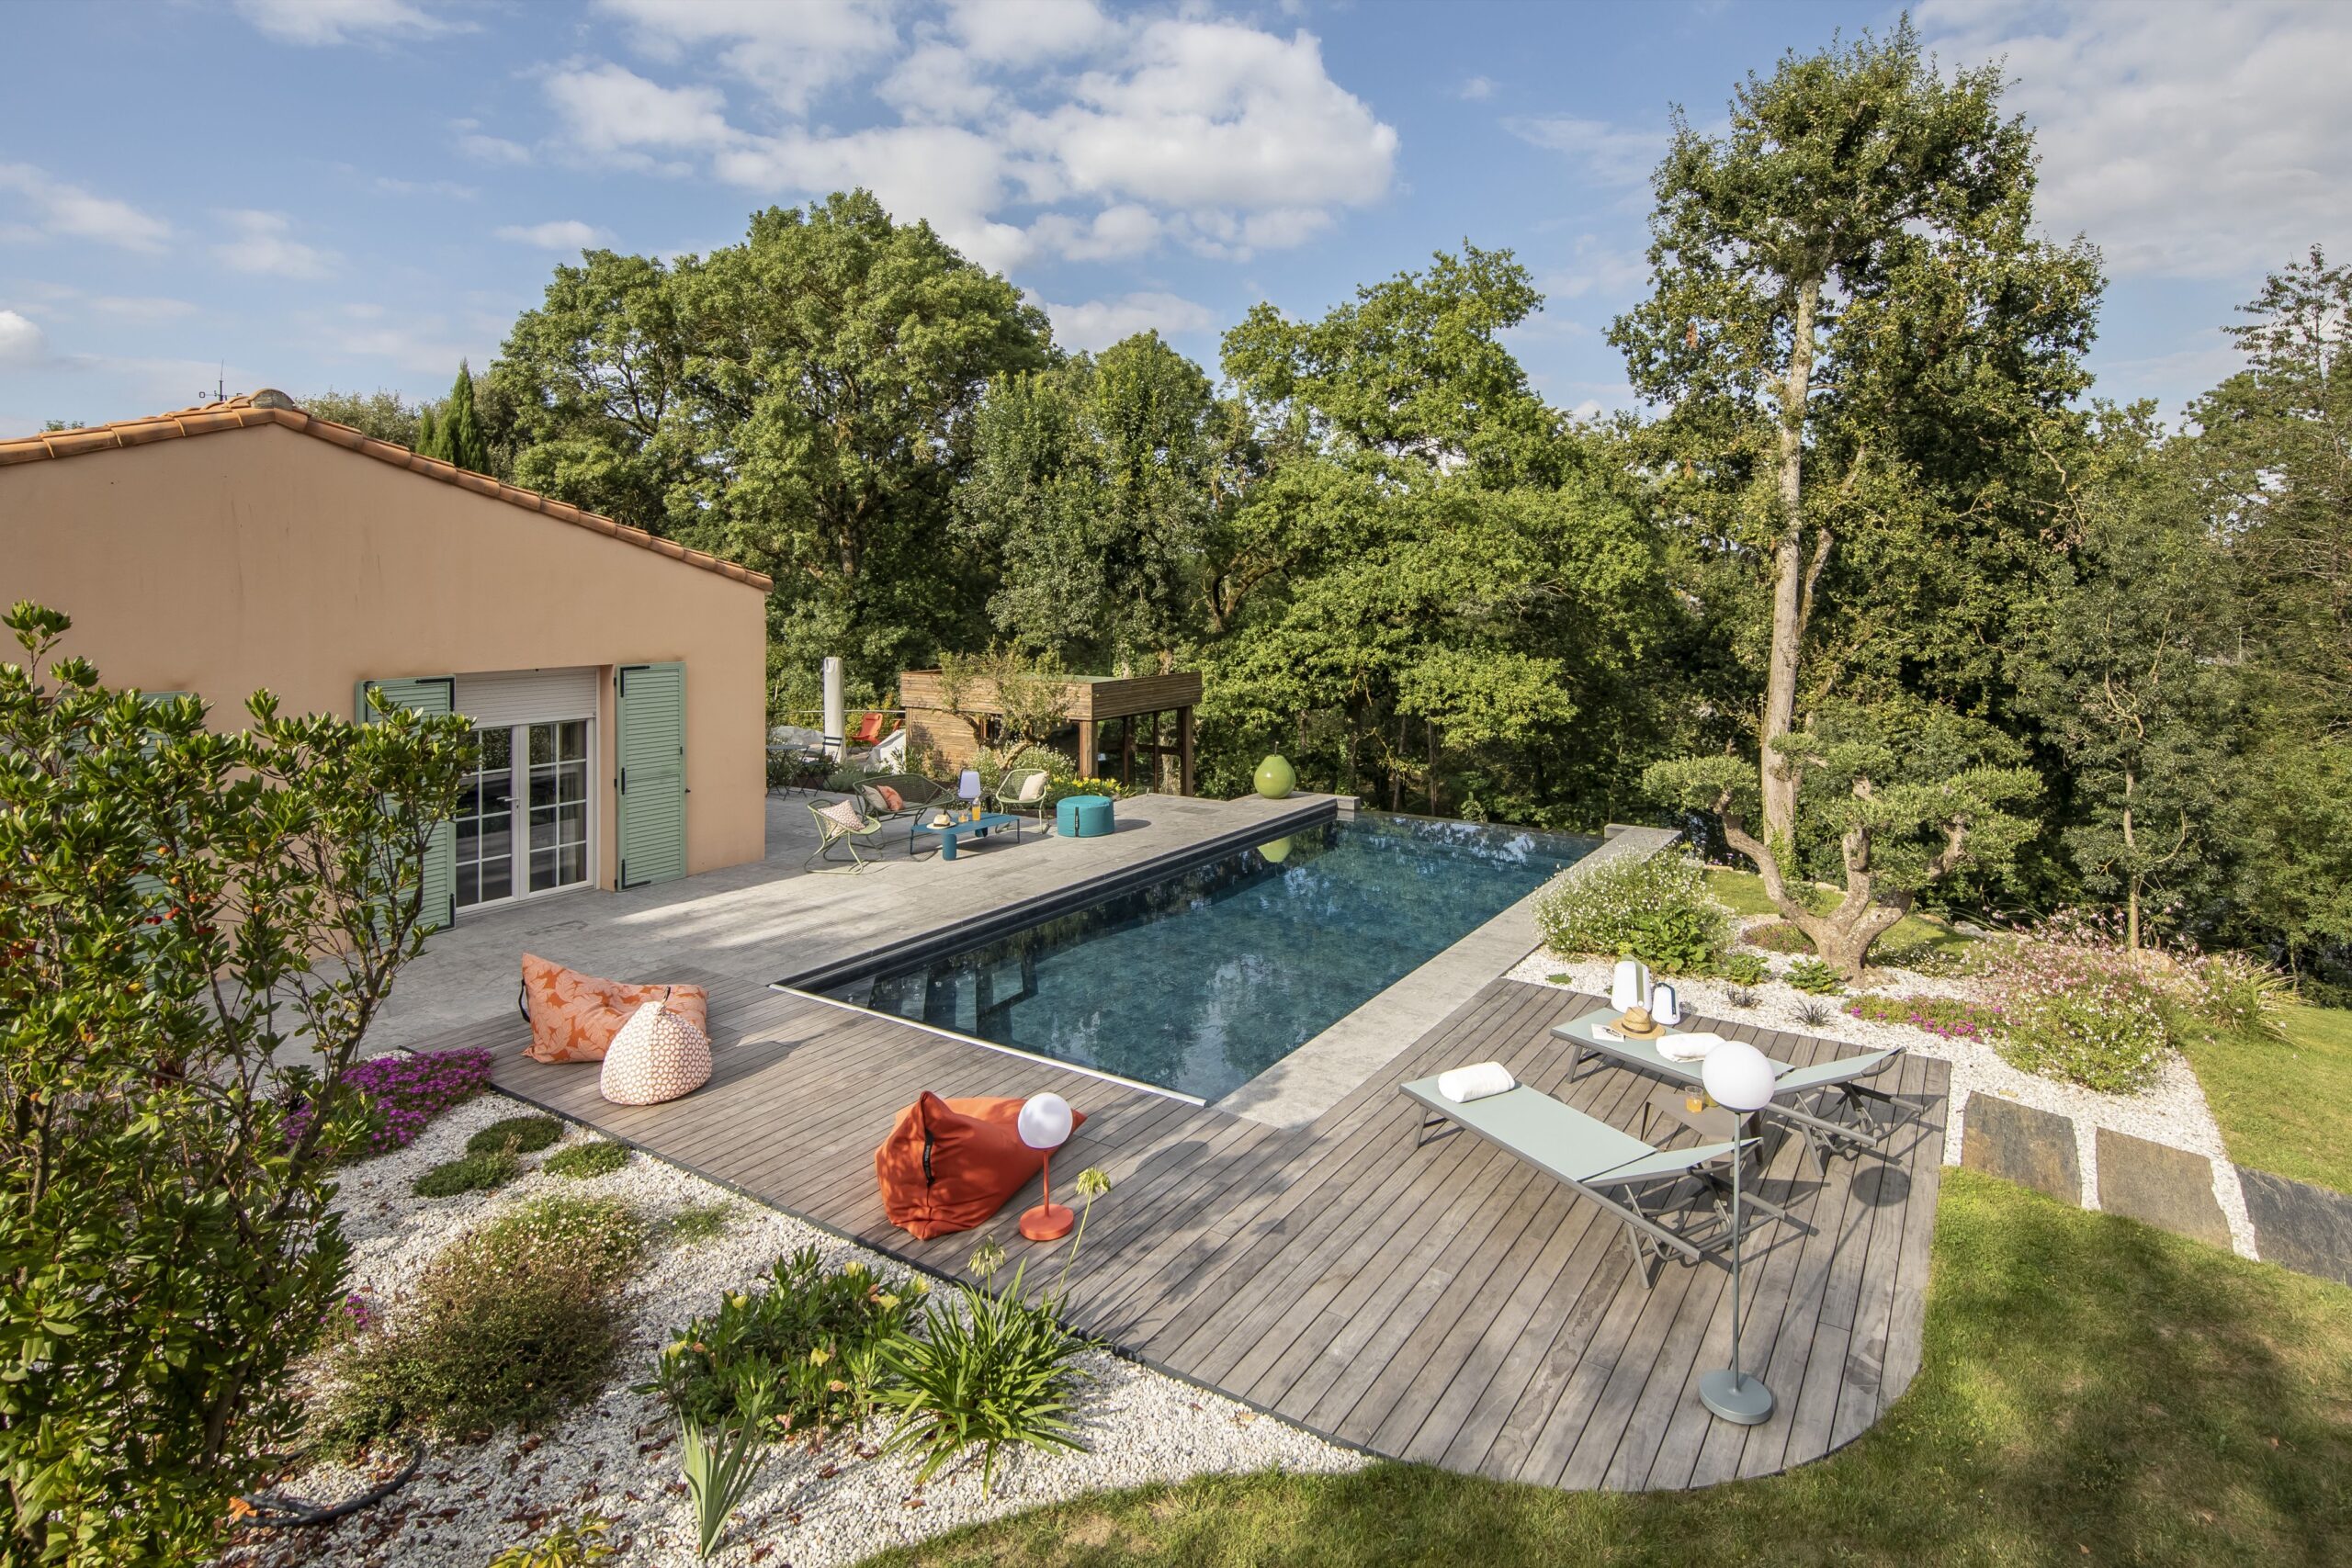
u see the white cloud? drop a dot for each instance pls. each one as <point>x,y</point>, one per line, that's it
<point>937,82</point>
<point>791,50</point>
<point>1114,233</point>
<point>1217,115</point>
<point>22,342</point>
<point>952,177</point>
<point>607,108</point>
<point>264,243</point>
<point>140,307</point>
<point>1477,89</point>
<point>561,234</point>
<point>2198,141</point>
<point>1026,32</point>
<point>1595,266</point>
<point>1610,154</point>
<point>478,145</point>
<point>450,188</point>
<point>1099,323</point>
<point>60,211</point>
<point>319,22</point>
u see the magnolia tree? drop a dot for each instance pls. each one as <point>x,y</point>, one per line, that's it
<point>1869,365</point>
<point>196,930</point>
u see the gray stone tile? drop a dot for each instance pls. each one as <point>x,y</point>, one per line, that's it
<point>2017,1143</point>
<point>2167,1187</point>
<point>2299,1226</point>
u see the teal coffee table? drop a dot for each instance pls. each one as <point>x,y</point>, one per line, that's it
<point>976,826</point>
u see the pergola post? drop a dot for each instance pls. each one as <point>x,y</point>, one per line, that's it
<point>1086,747</point>
<point>1184,750</point>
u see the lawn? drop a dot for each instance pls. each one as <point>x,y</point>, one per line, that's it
<point>2093,1390</point>
<point>1742,892</point>
<point>2281,1103</point>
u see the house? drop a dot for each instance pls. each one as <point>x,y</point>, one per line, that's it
<point>616,681</point>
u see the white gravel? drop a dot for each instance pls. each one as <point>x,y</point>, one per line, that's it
<point>2172,1111</point>
<point>617,1455</point>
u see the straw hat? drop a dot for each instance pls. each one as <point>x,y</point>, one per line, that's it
<point>1636,1023</point>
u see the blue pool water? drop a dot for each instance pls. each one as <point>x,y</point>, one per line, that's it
<point>1203,980</point>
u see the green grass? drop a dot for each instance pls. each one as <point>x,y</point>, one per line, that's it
<point>2282,1103</point>
<point>1742,892</point>
<point>2092,1391</point>
<point>699,1222</point>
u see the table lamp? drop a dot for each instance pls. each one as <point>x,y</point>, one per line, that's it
<point>1739,1079</point>
<point>1045,1125</point>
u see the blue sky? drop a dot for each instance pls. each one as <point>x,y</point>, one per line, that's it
<point>355,193</point>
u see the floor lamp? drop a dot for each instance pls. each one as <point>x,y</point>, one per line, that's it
<point>1739,1079</point>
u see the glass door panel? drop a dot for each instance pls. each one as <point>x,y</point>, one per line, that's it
<point>485,820</point>
<point>559,804</point>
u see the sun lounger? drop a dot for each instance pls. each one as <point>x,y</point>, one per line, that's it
<point>1844,1077</point>
<point>1625,1176</point>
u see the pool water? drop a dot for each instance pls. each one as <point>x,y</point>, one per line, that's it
<point>1203,979</point>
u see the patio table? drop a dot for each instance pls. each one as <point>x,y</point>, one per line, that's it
<point>1585,1038</point>
<point>977,825</point>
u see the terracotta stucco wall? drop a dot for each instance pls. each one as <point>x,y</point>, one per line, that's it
<point>221,563</point>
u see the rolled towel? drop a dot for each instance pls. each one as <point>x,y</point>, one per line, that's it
<point>1476,1083</point>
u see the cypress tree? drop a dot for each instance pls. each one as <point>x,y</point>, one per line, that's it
<point>462,440</point>
<point>429,434</point>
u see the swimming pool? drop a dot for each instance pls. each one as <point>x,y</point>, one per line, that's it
<point>1200,981</point>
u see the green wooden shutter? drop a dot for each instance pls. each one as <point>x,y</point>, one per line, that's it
<point>431,694</point>
<point>652,748</point>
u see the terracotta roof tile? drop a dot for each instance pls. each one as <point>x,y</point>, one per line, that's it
<point>269,406</point>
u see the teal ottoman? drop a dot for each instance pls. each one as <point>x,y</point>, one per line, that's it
<point>1083,817</point>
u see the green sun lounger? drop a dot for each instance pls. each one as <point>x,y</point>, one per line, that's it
<point>1613,1169</point>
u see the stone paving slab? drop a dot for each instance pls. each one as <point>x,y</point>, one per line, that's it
<point>2017,1143</point>
<point>2159,1185</point>
<point>2299,1226</point>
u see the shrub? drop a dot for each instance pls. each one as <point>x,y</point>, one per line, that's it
<point>698,1223</point>
<point>2080,1007</point>
<point>581,1161</point>
<point>171,889</point>
<point>583,1545</point>
<point>400,1093</point>
<point>1777,936</point>
<point>1654,907</point>
<point>2236,995</point>
<point>508,1325</point>
<point>844,780</point>
<point>1815,1014</point>
<point>816,1335</point>
<point>1743,968</point>
<point>1813,978</point>
<point>990,1370</point>
<point>482,1172</point>
<point>1946,1016</point>
<point>1740,997</point>
<point>518,1134</point>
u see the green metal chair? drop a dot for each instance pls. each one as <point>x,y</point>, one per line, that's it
<point>833,830</point>
<point>1023,789</point>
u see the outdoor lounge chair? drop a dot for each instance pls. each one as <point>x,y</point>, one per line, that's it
<point>1845,1078</point>
<point>1023,789</point>
<point>915,794</point>
<point>1614,1169</point>
<point>832,830</point>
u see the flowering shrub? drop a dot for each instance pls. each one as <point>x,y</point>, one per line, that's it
<point>1946,1016</point>
<point>346,1321</point>
<point>401,1092</point>
<point>1655,907</point>
<point>2233,994</point>
<point>2081,1007</point>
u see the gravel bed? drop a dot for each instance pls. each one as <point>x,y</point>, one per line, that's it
<point>617,1455</point>
<point>2172,1111</point>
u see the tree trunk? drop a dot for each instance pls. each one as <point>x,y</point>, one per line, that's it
<point>1788,606</point>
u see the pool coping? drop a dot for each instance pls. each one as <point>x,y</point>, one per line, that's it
<point>1324,1071</point>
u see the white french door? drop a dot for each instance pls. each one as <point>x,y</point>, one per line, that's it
<point>521,820</point>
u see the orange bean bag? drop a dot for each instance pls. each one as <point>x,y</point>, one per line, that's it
<point>574,1016</point>
<point>949,1163</point>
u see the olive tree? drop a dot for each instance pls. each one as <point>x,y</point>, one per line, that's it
<point>197,930</point>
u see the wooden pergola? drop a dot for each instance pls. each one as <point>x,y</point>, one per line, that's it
<point>1140,705</point>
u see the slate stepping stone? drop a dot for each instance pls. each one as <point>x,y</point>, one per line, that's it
<point>2299,1226</point>
<point>2017,1143</point>
<point>2167,1187</point>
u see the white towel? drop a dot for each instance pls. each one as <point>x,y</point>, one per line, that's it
<point>1476,1083</point>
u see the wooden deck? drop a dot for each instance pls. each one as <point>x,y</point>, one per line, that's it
<point>1443,1303</point>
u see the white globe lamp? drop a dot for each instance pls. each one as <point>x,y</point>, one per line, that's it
<point>1739,1079</point>
<point>1045,1125</point>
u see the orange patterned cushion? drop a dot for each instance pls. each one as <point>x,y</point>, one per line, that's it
<point>575,1016</point>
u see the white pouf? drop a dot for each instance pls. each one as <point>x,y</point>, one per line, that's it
<point>658,1056</point>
